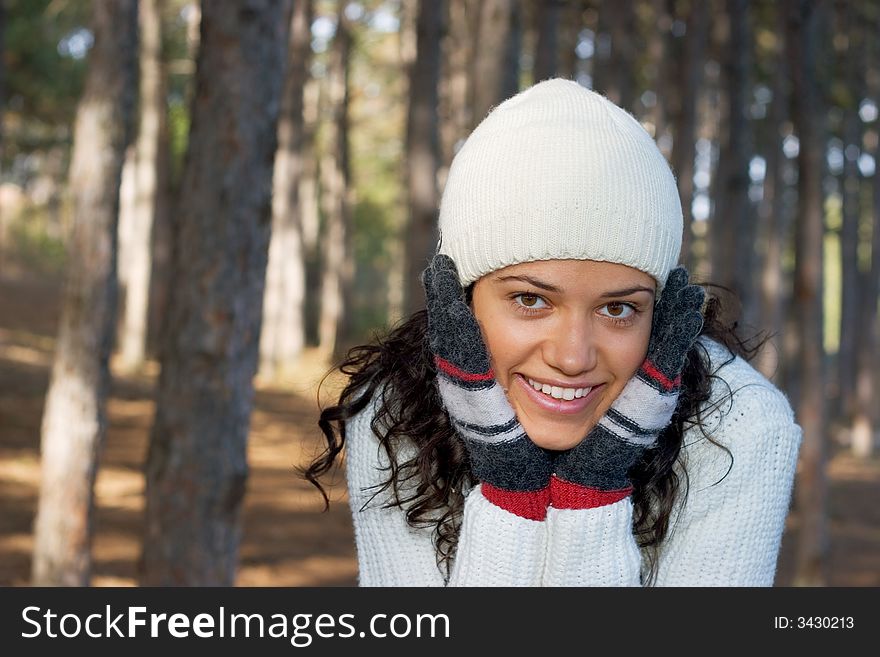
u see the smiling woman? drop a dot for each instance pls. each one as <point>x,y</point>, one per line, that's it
<point>565,337</point>
<point>568,410</point>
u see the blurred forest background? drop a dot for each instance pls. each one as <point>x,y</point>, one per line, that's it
<point>203,205</point>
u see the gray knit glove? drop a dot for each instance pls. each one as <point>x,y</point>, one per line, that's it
<point>595,472</point>
<point>515,473</point>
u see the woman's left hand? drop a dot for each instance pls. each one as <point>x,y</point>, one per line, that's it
<point>595,472</point>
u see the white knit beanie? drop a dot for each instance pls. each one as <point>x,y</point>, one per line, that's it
<point>560,172</point>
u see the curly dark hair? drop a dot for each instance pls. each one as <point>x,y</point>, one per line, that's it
<point>400,368</point>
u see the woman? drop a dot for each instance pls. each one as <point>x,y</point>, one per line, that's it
<point>568,409</point>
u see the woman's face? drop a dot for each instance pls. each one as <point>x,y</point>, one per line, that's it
<point>576,329</point>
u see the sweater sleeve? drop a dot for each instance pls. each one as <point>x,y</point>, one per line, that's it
<point>495,547</point>
<point>727,530</point>
<point>592,547</point>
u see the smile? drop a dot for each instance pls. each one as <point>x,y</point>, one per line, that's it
<point>558,399</point>
<point>559,393</point>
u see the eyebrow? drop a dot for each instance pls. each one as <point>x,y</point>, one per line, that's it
<point>552,288</point>
<point>627,291</point>
<point>531,281</point>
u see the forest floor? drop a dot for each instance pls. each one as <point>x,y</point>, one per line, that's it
<point>287,539</point>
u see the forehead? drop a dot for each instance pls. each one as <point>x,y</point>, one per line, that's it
<point>571,274</point>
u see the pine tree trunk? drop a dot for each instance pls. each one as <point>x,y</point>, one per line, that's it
<point>658,67</point>
<point>456,116</point>
<point>684,141</point>
<point>812,485</point>
<point>849,234</point>
<point>2,126</point>
<point>133,335</point>
<point>547,15</point>
<point>614,73</point>
<point>308,204</point>
<point>337,252</point>
<point>867,411</point>
<point>74,418</point>
<point>197,465</point>
<point>775,222</point>
<point>732,228</point>
<point>161,243</point>
<point>283,332</point>
<point>569,33</point>
<point>495,56</point>
<point>423,150</point>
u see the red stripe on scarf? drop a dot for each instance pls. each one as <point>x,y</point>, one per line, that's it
<point>452,370</point>
<point>566,495</point>
<point>668,384</point>
<point>526,504</point>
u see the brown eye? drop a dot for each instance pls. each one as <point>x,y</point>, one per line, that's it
<point>618,310</point>
<point>529,301</point>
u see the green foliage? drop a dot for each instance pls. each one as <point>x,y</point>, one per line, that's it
<point>373,263</point>
<point>42,84</point>
<point>32,244</point>
<point>178,135</point>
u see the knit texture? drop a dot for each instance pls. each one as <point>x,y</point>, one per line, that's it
<point>560,172</point>
<point>726,533</point>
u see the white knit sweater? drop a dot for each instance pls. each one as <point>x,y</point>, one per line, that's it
<point>726,532</point>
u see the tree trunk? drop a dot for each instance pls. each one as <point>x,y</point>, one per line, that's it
<point>310,220</point>
<point>456,113</point>
<point>867,411</point>
<point>614,72</point>
<point>423,150</point>
<point>283,332</point>
<point>851,71</point>
<point>658,67</point>
<point>161,243</point>
<point>138,262</point>
<point>547,17</point>
<point>74,417</point>
<point>2,126</point>
<point>495,56</point>
<point>337,260</point>
<point>733,226</point>
<point>812,488</point>
<point>569,34</point>
<point>774,218</point>
<point>684,140</point>
<point>197,463</point>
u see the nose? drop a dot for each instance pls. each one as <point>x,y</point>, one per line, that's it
<point>570,346</point>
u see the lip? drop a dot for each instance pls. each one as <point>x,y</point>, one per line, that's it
<point>560,406</point>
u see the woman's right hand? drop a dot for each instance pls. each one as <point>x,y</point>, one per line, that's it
<point>515,472</point>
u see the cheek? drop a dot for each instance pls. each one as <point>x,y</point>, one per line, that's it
<point>509,345</point>
<point>627,353</point>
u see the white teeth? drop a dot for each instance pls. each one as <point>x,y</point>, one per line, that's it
<point>559,393</point>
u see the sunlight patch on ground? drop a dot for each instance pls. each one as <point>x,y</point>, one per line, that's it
<point>25,340</point>
<point>110,580</point>
<point>25,355</point>
<point>23,469</point>
<point>311,571</point>
<point>19,542</point>
<point>119,488</point>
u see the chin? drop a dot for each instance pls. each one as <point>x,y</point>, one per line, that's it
<point>555,441</point>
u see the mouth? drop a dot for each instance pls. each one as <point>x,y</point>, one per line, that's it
<point>559,393</point>
<point>557,399</point>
